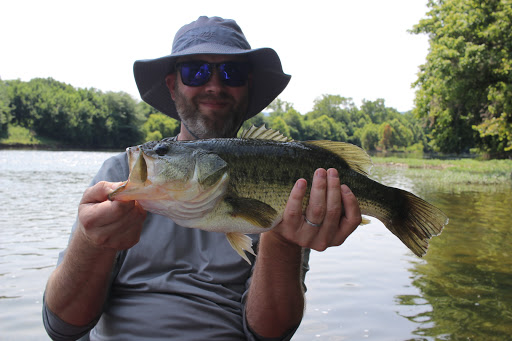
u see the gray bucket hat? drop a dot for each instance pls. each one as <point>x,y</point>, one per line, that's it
<point>211,36</point>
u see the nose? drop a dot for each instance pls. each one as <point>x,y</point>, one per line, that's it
<point>215,83</point>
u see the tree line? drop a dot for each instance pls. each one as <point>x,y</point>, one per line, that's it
<point>89,118</point>
<point>69,116</point>
<point>372,126</point>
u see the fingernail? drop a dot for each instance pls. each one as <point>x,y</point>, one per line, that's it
<point>345,189</point>
<point>320,172</point>
<point>301,184</point>
<point>332,172</point>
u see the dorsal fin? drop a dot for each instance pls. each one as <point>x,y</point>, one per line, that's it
<point>262,133</point>
<point>356,157</point>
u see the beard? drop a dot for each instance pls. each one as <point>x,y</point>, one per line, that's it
<point>221,124</point>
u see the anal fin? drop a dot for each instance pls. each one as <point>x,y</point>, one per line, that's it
<point>240,242</point>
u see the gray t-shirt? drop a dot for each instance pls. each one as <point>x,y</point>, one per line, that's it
<point>177,283</point>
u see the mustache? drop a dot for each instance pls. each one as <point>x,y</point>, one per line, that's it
<point>221,96</point>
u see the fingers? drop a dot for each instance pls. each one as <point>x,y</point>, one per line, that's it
<point>119,234</point>
<point>333,210</point>
<point>292,215</point>
<point>352,217</point>
<point>331,206</point>
<point>294,206</point>
<point>105,213</point>
<point>99,192</point>
<point>315,212</point>
<point>97,210</point>
<point>112,224</point>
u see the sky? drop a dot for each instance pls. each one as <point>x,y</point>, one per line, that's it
<point>358,49</point>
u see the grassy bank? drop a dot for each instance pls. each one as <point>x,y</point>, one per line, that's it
<point>19,136</point>
<point>452,173</point>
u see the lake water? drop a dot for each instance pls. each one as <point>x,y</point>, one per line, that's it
<point>372,287</point>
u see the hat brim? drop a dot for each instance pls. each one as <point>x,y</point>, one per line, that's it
<point>268,78</point>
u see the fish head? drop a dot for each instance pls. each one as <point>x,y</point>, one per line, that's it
<point>169,170</point>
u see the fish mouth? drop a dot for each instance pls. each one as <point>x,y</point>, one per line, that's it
<point>138,171</point>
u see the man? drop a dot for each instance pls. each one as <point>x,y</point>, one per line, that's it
<point>131,275</point>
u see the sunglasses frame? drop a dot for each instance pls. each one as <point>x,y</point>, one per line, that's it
<point>211,67</point>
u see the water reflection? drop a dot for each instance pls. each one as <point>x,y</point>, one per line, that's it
<point>467,275</point>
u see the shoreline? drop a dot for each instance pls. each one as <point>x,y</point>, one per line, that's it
<point>51,147</point>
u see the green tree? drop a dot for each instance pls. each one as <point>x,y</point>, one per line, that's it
<point>465,87</point>
<point>22,100</point>
<point>159,126</point>
<point>279,124</point>
<point>370,136</point>
<point>295,122</point>
<point>386,134</point>
<point>78,117</point>
<point>279,106</point>
<point>375,110</point>
<point>341,109</point>
<point>92,115</point>
<point>5,109</point>
<point>124,121</point>
<point>145,110</point>
<point>324,128</point>
<point>402,134</point>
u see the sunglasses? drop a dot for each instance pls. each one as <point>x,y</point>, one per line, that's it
<point>198,73</point>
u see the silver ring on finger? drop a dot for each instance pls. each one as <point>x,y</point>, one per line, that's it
<point>310,223</point>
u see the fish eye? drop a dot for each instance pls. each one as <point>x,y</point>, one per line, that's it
<point>161,149</point>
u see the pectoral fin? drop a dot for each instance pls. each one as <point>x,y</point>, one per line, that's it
<point>254,211</point>
<point>365,221</point>
<point>240,242</point>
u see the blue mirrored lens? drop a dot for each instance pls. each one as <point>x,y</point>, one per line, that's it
<point>199,73</point>
<point>234,74</point>
<point>195,74</point>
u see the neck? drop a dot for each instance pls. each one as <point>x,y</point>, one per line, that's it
<point>186,134</point>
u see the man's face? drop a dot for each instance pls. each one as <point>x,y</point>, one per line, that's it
<point>213,109</point>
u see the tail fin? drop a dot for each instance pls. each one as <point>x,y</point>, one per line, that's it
<point>413,220</point>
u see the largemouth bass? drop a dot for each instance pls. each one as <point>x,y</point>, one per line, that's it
<point>241,185</point>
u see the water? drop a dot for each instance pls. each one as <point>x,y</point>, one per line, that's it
<point>370,288</point>
<point>39,196</point>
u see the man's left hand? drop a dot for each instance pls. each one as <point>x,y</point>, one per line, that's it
<point>332,213</point>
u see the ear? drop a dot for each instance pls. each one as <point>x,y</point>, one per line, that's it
<point>170,80</point>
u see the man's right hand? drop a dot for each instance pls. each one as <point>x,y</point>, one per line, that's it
<point>77,288</point>
<point>109,224</point>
